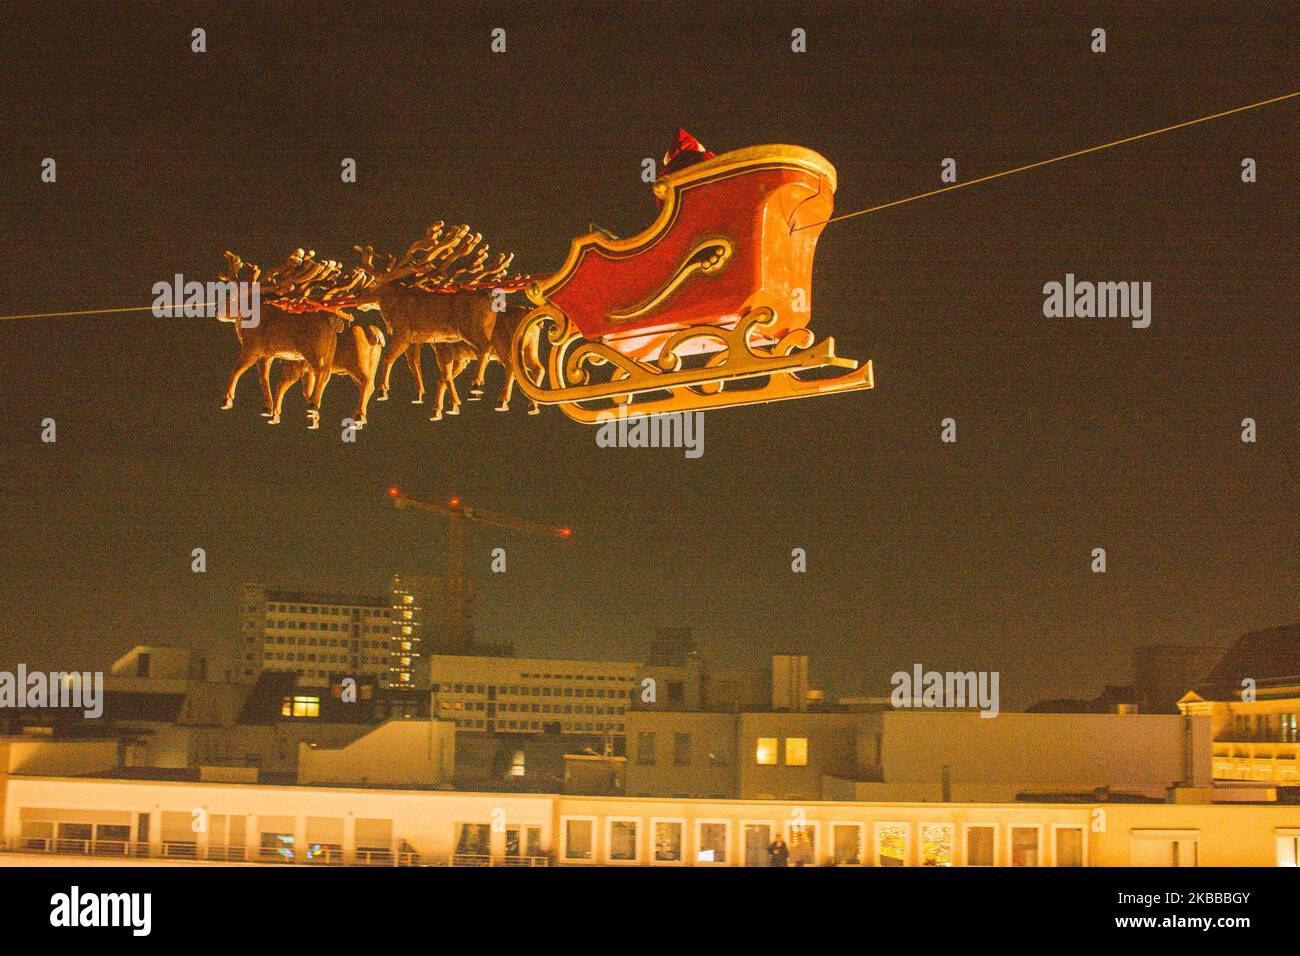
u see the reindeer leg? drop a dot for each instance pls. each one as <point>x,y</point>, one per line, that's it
<point>413,359</point>
<point>264,375</point>
<point>293,372</point>
<point>246,361</point>
<point>322,374</point>
<point>449,373</point>
<point>366,386</point>
<point>476,386</point>
<point>438,400</point>
<point>390,357</point>
<point>507,391</point>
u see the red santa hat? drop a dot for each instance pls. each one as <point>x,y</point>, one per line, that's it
<point>688,149</point>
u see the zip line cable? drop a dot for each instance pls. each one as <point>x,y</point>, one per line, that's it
<point>843,216</point>
<point>1047,162</point>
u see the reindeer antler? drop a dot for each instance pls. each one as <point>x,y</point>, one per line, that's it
<point>444,260</point>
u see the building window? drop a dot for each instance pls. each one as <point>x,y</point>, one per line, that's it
<point>711,843</point>
<point>579,837</point>
<point>622,841</point>
<point>682,750</point>
<point>473,839</point>
<point>846,840</point>
<point>1164,848</point>
<point>1024,846</point>
<point>300,707</point>
<point>891,844</point>
<point>1288,848</point>
<point>796,751</point>
<point>1069,846</point>
<point>936,844</point>
<point>979,846</point>
<point>802,841</point>
<point>766,751</point>
<point>667,841</point>
<point>645,748</point>
<point>675,692</point>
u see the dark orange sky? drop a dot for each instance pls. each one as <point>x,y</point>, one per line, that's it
<point>1073,433</point>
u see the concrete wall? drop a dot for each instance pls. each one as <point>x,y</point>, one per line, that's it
<point>703,776</point>
<point>34,756</point>
<point>398,753</point>
<point>1065,752</point>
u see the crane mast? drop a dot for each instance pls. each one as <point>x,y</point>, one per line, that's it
<point>457,514</point>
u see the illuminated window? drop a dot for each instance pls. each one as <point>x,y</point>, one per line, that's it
<point>300,707</point>
<point>767,751</point>
<point>667,841</point>
<point>796,751</point>
<point>891,844</point>
<point>936,844</point>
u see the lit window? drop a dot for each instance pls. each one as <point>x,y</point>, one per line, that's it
<point>767,751</point>
<point>796,751</point>
<point>936,844</point>
<point>891,844</point>
<point>300,707</point>
<point>668,841</point>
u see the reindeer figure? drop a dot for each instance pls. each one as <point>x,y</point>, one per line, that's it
<point>503,332</point>
<point>439,291</point>
<point>452,358</point>
<point>357,357</point>
<point>310,337</point>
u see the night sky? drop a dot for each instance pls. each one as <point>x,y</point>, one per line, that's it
<point>1072,433</point>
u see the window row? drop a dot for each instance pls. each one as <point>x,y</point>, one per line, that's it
<point>527,691</point>
<point>800,842</point>
<point>796,751</point>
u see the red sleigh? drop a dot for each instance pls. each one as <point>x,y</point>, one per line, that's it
<point>707,308</point>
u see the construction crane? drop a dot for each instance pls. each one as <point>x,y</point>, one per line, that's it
<point>457,514</point>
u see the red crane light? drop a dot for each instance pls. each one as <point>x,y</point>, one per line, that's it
<point>454,502</point>
<point>393,491</point>
<point>566,532</point>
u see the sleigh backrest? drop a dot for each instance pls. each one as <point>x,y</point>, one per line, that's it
<point>726,240</point>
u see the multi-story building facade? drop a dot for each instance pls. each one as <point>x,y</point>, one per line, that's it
<point>315,635</point>
<point>1252,698</point>
<point>532,695</point>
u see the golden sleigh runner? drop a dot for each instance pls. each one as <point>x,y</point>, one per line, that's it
<point>708,308</point>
